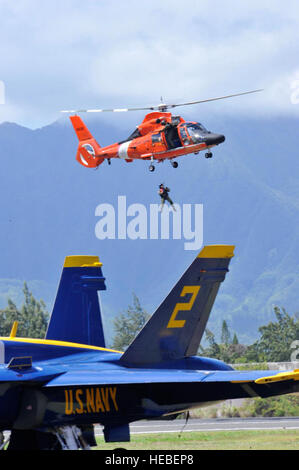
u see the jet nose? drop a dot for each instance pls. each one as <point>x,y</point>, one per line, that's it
<point>215,139</point>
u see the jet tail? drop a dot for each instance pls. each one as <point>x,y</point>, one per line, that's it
<point>76,316</point>
<point>88,149</point>
<point>175,330</point>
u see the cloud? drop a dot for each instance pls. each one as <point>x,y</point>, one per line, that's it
<point>68,55</point>
<point>2,92</point>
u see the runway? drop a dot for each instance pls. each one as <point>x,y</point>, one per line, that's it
<point>205,425</point>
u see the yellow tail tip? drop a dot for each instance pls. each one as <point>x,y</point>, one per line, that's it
<point>217,251</point>
<point>81,261</point>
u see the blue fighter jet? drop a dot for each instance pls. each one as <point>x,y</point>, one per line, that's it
<point>53,390</point>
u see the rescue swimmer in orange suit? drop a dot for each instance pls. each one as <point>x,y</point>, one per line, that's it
<point>163,193</point>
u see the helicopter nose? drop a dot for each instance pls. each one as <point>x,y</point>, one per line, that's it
<point>215,139</point>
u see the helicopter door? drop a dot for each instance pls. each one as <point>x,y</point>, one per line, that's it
<point>172,137</point>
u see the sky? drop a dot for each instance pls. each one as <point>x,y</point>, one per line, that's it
<point>113,53</point>
<point>69,55</point>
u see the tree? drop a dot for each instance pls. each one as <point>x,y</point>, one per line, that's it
<point>277,337</point>
<point>274,345</point>
<point>225,334</point>
<point>214,349</point>
<point>32,317</point>
<point>235,339</point>
<point>7,317</point>
<point>227,351</point>
<point>127,325</point>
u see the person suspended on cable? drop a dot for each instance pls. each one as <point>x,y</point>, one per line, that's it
<point>163,193</point>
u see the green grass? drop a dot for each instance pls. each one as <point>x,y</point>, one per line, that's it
<point>220,440</point>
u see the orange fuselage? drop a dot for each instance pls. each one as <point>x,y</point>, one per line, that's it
<point>150,141</point>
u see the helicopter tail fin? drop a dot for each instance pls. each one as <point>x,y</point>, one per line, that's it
<point>80,128</point>
<point>88,149</point>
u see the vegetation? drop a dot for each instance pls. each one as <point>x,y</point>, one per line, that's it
<point>274,344</point>
<point>284,405</point>
<point>32,317</point>
<point>128,324</point>
<point>277,337</point>
<point>210,440</point>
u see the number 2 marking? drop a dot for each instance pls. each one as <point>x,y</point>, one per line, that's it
<point>187,306</point>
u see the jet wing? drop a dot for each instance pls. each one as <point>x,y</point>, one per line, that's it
<point>116,376</point>
<point>182,388</point>
<point>190,387</point>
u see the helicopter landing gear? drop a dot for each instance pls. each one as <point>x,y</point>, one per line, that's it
<point>208,155</point>
<point>109,161</point>
<point>174,164</point>
<point>151,167</point>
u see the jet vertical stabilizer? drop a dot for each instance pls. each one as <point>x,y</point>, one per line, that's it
<point>174,331</point>
<point>76,316</point>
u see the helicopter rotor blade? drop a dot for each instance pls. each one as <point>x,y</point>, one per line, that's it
<point>213,99</point>
<point>161,107</point>
<point>115,110</point>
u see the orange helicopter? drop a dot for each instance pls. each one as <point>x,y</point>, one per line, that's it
<point>161,136</point>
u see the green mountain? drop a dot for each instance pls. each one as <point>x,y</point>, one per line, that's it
<point>250,196</point>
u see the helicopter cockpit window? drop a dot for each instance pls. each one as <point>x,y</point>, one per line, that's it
<point>196,126</point>
<point>192,132</point>
<point>196,131</point>
<point>184,135</point>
